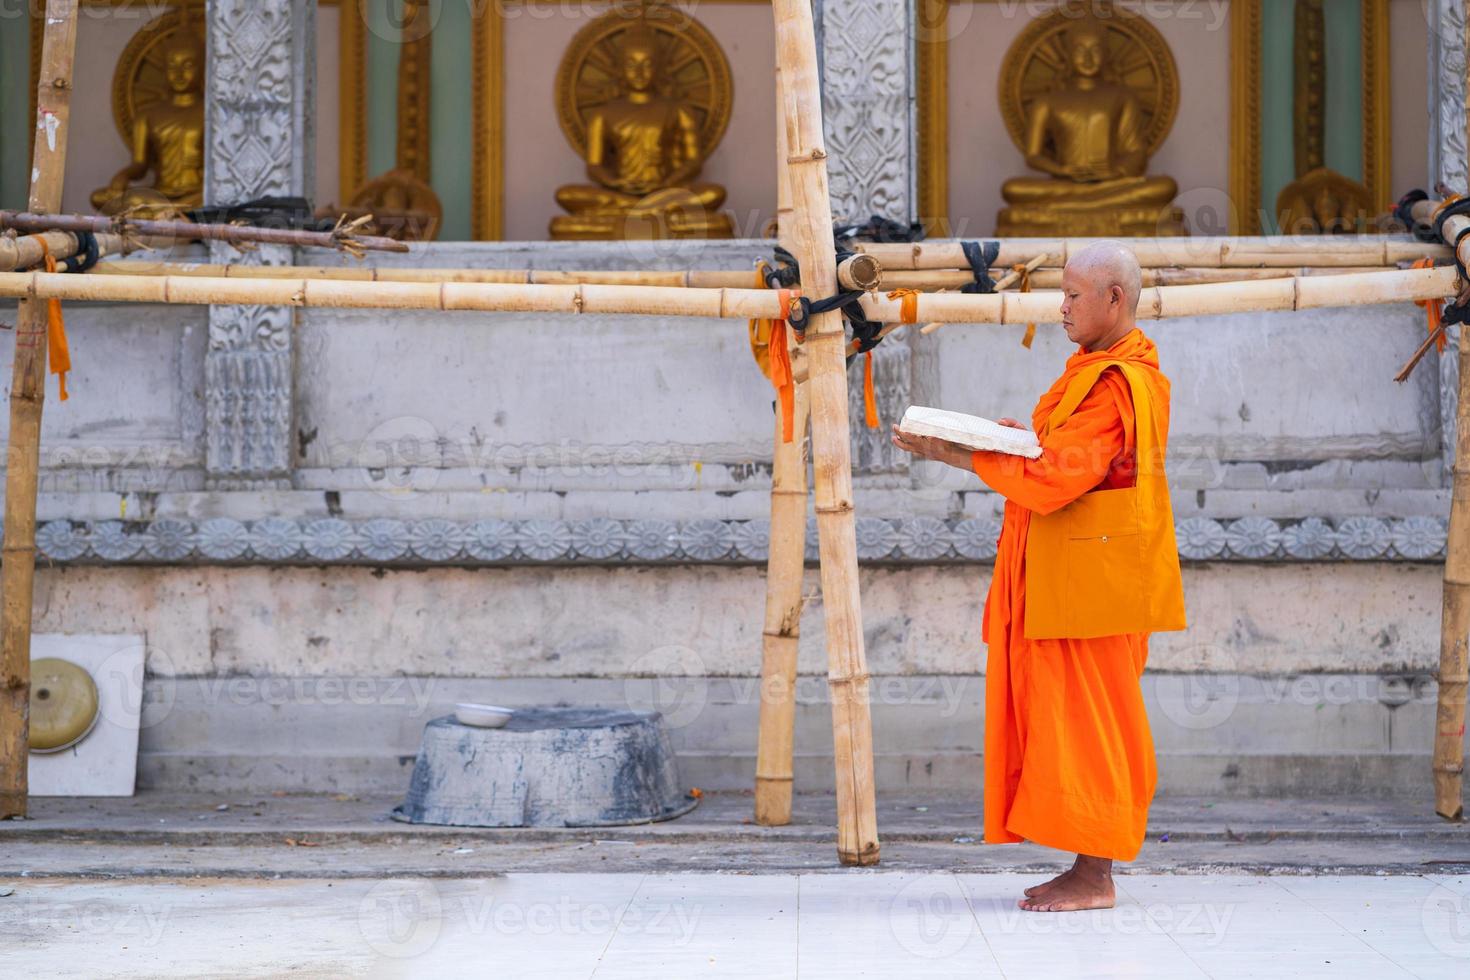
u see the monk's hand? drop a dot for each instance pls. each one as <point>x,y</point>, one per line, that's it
<point>929,447</point>
<point>1010,423</point>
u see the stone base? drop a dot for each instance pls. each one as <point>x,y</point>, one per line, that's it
<point>1065,222</point>
<point>641,227</point>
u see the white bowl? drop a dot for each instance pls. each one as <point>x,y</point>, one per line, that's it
<point>482,715</point>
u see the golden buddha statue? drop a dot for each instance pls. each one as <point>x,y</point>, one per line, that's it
<point>644,150</point>
<point>1090,134</point>
<point>167,137</point>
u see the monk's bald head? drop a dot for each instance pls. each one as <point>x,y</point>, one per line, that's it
<point>1100,287</point>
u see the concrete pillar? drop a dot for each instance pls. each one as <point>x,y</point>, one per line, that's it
<point>867,103</point>
<point>866,47</point>
<point>1447,166</point>
<point>259,141</point>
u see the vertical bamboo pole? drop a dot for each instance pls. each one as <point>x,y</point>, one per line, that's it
<point>785,562</point>
<point>811,236</point>
<point>27,393</point>
<point>1449,713</point>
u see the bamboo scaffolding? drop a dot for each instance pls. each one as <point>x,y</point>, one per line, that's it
<point>343,238</point>
<point>1157,302</point>
<point>785,564</point>
<point>27,396</point>
<point>812,244</point>
<point>926,279</point>
<point>1313,250</point>
<point>1454,664</point>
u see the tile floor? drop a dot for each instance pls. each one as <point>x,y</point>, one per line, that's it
<point>839,925</point>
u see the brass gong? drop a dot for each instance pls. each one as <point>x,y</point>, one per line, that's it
<point>63,704</point>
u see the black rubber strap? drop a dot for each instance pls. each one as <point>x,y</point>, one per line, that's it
<point>86,257</point>
<point>1403,212</point>
<point>980,256</point>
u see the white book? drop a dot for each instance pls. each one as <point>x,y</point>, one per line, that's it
<point>970,431</point>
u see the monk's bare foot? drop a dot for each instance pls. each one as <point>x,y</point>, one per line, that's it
<point>1036,891</point>
<point>1089,885</point>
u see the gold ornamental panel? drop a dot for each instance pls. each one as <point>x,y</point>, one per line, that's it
<point>696,72</point>
<point>1137,57</point>
<point>140,78</point>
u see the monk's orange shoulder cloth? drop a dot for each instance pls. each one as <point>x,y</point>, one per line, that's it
<point>1107,562</point>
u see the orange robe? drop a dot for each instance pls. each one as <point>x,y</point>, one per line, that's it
<point>1069,759</point>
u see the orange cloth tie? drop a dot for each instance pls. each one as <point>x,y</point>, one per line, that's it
<point>1433,310</point>
<point>870,400</point>
<point>908,311</point>
<point>1025,287</point>
<point>57,352</point>
<point>781,377</point>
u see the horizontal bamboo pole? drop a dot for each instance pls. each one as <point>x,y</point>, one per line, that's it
<point>740,304</point>
<point>344,237</point>
<point>1312,250</point>
<point>1051,278</point>
<point>26,251</point>
<point>698,278</point>
<point>1156,302</point>
<point>1042,278</point>
<point>1162,302</point>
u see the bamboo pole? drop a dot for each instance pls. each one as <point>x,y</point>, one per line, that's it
<point>27,395</point>
<point>26,251</point>
<point>347,294</point>
<point>343,238</point>
<point>1156,302</point>
<point>785,564</point>
<point>693,278</point>
<point>1164,302</point>
<point>847,670</point>
<point>1315,250</point>
<point>1454,665</point>
<point>923,279</point>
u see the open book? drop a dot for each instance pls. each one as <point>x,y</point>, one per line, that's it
<point>970,431</point>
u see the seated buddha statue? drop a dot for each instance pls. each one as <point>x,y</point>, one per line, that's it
<point>167,139</point>
<point>1088,136</point>
<point>1324,202</point>
<point>644,155</point>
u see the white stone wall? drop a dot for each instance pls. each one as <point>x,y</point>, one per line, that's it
<point>544,509</point>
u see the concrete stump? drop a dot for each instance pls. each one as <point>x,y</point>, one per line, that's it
<point>547,767</point>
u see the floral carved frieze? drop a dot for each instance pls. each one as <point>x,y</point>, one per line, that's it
<point>601,540</point>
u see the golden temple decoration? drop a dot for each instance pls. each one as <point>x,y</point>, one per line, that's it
<point>402,206</point>
<point>415,63</point>
<point>1088,93</point>
<point>1320,200</point>
<point>158,105</point>
<point>643,95</point>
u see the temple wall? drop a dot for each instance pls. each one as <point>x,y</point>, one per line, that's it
<point>1307,486</point>
<point>1292,679</point>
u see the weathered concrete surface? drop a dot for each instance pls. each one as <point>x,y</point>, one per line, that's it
<point>186,834</point>
<point>696,621</point>
<point>1292,678</point>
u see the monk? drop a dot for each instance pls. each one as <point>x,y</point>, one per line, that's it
<point>1086,568</point>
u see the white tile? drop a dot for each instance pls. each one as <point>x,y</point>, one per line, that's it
<point>890,925</point>
<point>706,925</point>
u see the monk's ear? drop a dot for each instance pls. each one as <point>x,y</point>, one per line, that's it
<point>1115,294</point>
